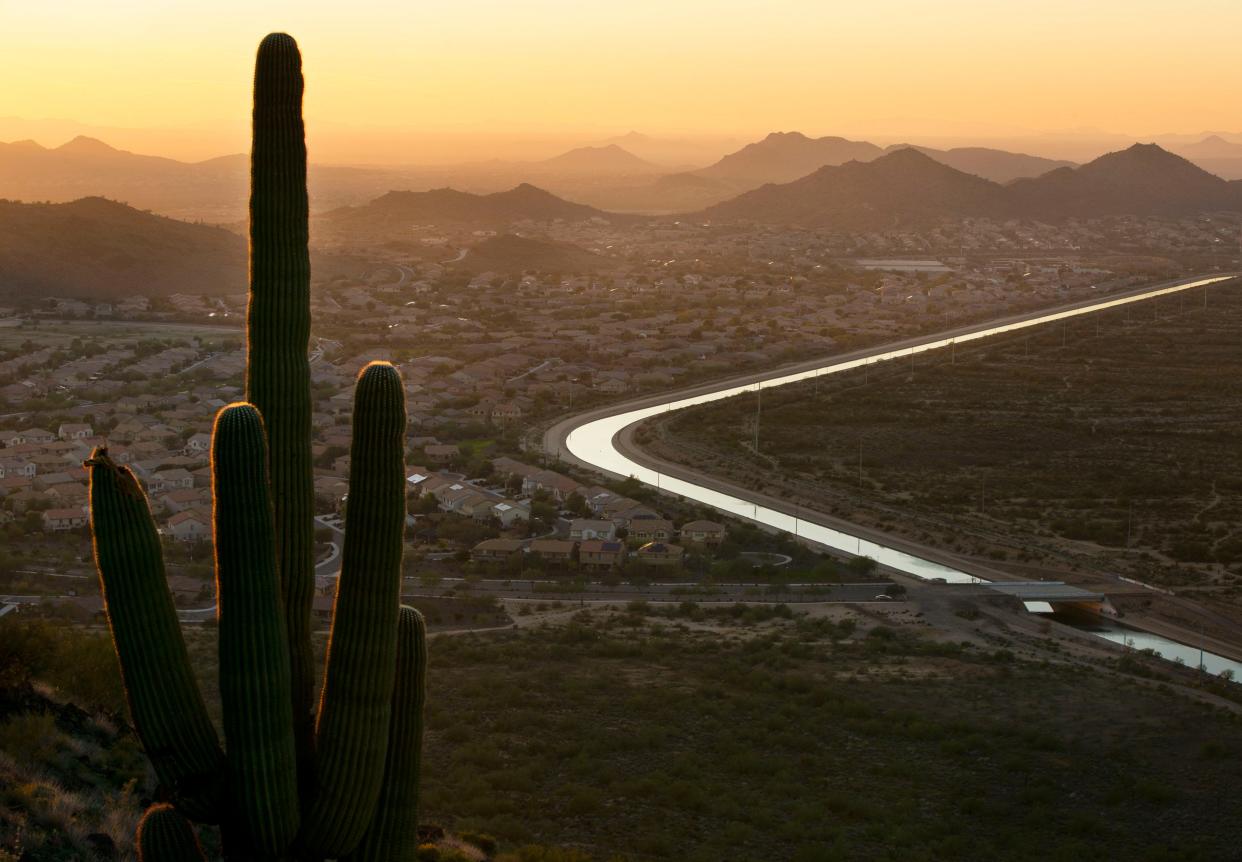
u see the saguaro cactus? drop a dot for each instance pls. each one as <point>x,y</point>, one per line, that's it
<point>284,786</point>
<point>278,318</point>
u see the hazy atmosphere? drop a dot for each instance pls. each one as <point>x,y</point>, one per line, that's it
<point>630,432</point>
<point>436,82</point>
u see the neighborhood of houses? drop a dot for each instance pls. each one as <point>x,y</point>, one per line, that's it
<point>41,473</point>
<point>612,529</point>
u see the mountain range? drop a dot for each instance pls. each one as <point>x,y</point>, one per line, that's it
<point>907,187</point>
<point>214,190</point>
<point>98,248</point>
<point>609,176</point>
<point>404,211</point>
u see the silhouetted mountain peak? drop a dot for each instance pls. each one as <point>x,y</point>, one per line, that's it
<point>1148,163</point>
<point>604,158</point>
<point>786,136</point>
<point>86,146</point>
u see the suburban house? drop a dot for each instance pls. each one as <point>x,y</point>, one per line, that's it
<point>509,513</point>
<point>703,532</point>
<point>506,412</point>
<point>560,487</point>
<point>198,444</point>
<point>57,520</point>
<point>477,506</point>
<point>599,554</point>
<point>509,467</point>
<point>659,554</point>
<point>74,431</point>
<point>582,529</point>
<point>442,453</point>
<point>18,467</point>
<point>650,530</point>
<point>495,550</point>
<point>553,550</point>
<point>170,480</point>
<point>189,526</point>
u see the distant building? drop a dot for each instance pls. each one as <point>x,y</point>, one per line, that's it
<point>660,554</point>
<point>495,550</point>
<point>583,529</point>
<point>598,554</point>
<point>553,550</point>
<point>189,526</point>
<point>703,532</point>
<point>74,431</point>
<point>59,520</point>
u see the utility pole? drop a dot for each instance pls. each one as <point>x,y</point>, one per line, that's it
<point>758,413</point>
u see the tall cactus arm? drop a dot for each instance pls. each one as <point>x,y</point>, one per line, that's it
<point>254,652</point>
<point>393,833</point>
<point>277,373</point>
<point>165,836</point>
<point>164,698</point>
<point>356,705</point>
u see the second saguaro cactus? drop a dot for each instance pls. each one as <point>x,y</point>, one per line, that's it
<point>284,786</point>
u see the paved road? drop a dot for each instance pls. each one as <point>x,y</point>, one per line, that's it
<point>665,592</point>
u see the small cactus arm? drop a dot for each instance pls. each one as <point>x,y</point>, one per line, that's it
<point>356,705</point>
<point>254,652</point>
<point>393,834</point>
<point>165,836</point>
<point>164,699</point>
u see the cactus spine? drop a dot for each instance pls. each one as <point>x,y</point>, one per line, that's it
<point>165,836</point>
<point>393,834</point>
<point>354,713</point>
<point>277,372</point>
<point>164,699</point>
<point>254,654</point>
<point>297,788</point>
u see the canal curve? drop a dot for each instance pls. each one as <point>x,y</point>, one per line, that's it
<point>594,440</point>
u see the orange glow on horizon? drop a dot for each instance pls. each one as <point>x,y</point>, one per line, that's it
<point>392,82</point>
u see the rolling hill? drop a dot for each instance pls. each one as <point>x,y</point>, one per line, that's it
<point>401,211</point>
<point>608,159</point>
<point>511,254</point>
<point>1141,180</point>
<point>782,157</point>
<point>100,249</point>
<point>902,188</point>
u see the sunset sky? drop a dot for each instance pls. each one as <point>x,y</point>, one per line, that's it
<point>441,80</point>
